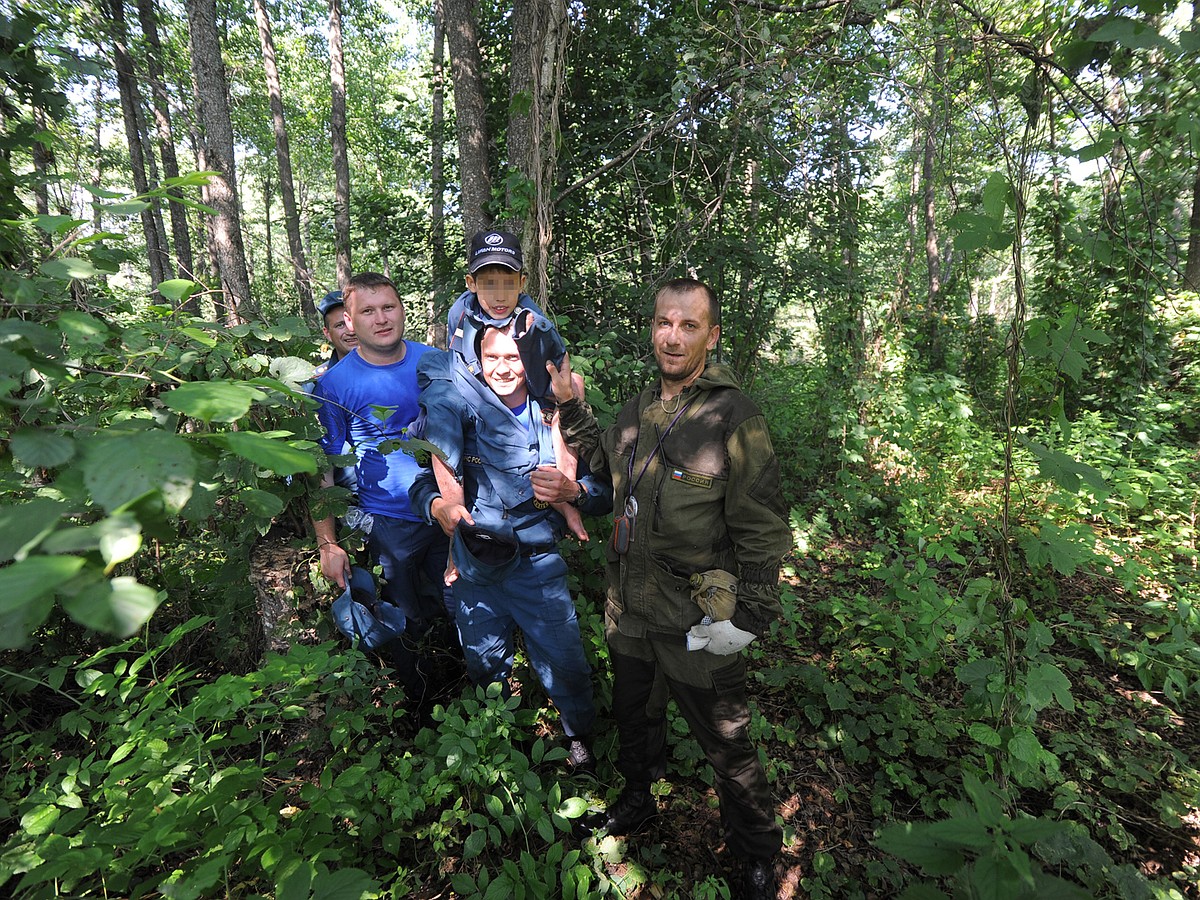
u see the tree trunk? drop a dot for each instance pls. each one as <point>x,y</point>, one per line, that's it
<point>933,258</point>
<point>466,73</point>
<point>1191,273</point>
<point>341,163</point>
<point>538,58</point>
<point>436,330</point>
<point>130,101</point>
<point>180,234</point>
<point>208,70</point>
<point>156,215</point>
<point>283,156</point>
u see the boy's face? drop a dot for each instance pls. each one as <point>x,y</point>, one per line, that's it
<point>498,289</point>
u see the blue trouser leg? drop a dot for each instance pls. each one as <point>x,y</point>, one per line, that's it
<point>407,551</point>
<point>534,598</point>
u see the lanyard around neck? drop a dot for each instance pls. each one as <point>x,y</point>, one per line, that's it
<point>631,483</point>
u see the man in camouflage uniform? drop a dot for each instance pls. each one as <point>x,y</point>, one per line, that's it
<point>696,492</point>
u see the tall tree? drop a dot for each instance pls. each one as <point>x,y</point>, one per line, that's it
<point>1191,272</point>
<point>341,161</point>
<point>283,156</point>
<point>130,102</point>
<point>470,107</point>
<point>212,91</point>
<point>180,234</point>
<point>436,333</point>
<point>538,59</point>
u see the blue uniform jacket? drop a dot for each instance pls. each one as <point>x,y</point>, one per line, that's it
<point>492,452</point>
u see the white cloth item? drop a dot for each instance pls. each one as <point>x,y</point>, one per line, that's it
<point>721,638</point>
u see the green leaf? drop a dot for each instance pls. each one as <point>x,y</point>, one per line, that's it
<point>985,734</point>
<point>57,224</point>
<point>120,539</point>
<point>213,401</point>
<point>68,267</point>
<point>1066,471</point>
<point>38,447</point>
<point>25,587</point>
<point>996,194</point>
<point>1025,746</point>
<point>270,453</point>
<point>912,843</point>
<point>1095,150</point>
<point>120,467</point>
<point>344,884</point>
<point>40,820</point>
<point>177,289</point>
<point>474,843</point>
<point>263,504</point>
<point>291,370</point>
<point>572,808</point>
<point>118,606</point>
<point>23,525</point>
<point>984,796</point>
<point>128,208</point>
<point>1046,682</point>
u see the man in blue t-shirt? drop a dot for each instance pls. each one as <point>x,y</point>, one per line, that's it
<point>369,400</point>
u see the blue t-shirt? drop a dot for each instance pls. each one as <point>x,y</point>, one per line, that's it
<point>365,405</point>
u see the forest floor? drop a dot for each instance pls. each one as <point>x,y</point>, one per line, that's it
<point>831,807</point>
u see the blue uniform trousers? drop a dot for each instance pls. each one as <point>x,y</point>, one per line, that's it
<point>413,558</point>
<point>535,599</point>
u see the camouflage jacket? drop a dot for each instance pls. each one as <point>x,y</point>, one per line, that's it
<point>708,495</point>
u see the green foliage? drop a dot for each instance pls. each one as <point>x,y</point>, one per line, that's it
<point>270,782</point>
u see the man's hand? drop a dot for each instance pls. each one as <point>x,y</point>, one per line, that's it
<point>552,486</point>
<point>561,381</point>
<point>335,563</point>
<point>449,514</point>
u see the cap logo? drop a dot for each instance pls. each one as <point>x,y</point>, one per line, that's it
<point>493,239</point>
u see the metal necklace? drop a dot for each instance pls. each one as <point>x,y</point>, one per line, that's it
<point>673,410</point>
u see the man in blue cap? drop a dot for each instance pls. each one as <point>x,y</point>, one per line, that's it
<point>337,330</point>
<point>506,569</point>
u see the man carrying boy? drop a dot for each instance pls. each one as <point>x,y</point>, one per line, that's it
<point>494,298</point>
<point>507,571</point>
<point>369,399</point>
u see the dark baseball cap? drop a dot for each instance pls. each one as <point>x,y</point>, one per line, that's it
<point>494,248</point>
<point>332,300</point>
<point>485,554</point>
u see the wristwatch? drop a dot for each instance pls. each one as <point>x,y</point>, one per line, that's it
<point>581,496</point>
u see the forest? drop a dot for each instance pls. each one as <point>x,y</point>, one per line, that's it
<point>957,246</point>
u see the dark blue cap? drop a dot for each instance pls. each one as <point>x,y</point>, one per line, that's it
<point>332,300</point>
<point>485,554</point>
<point>360,615</point>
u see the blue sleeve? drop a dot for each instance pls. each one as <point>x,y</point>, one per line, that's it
<point>332,418</point>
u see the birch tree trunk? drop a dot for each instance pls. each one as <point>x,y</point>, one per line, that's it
<point>341,163</point>
<point>283,156</point>
<point>212,90</point>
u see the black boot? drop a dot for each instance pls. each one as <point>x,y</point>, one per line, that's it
<point>758,880</point>
<point>633,813</point>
